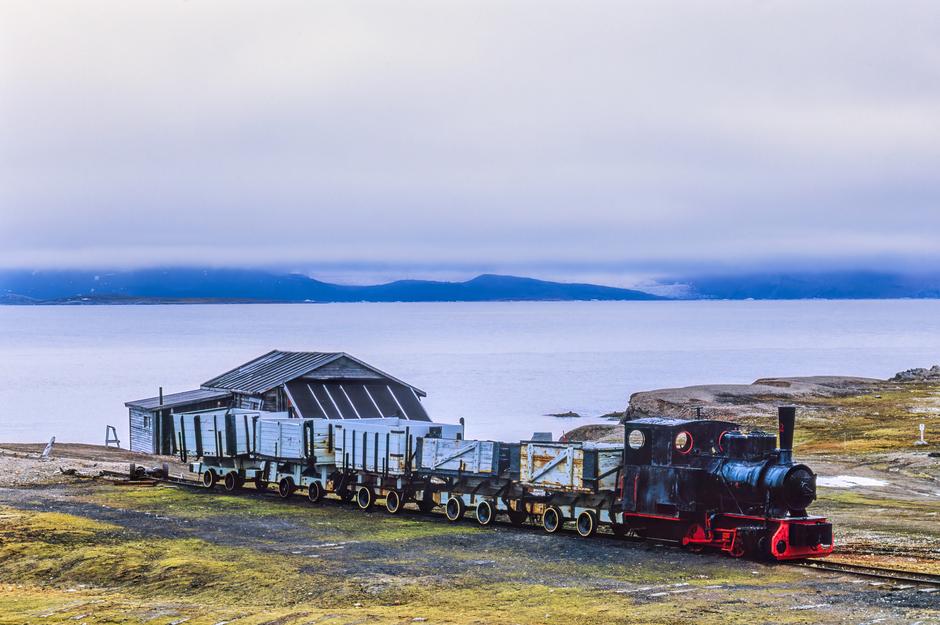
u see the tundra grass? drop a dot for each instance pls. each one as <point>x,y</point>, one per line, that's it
<point>344,521</point>
<point>497,605</point>
<point>883,531</point>
<point>60,568</point>
<point>884,419</point>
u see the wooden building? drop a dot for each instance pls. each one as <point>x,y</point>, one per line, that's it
<point>331,385</point>
<point>150,421</point>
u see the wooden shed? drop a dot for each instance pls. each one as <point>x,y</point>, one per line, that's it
<point>326,385</point>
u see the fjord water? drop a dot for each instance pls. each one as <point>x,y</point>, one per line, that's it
<point>67,371</point>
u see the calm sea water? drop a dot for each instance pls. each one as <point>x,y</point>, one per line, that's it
<point>67,371</point>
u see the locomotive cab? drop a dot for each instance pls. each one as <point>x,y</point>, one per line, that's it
<point>664,462</point>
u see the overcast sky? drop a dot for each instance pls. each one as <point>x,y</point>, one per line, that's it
<point>555,139</point>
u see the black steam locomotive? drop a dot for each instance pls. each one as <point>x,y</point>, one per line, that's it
<point>705,483</point>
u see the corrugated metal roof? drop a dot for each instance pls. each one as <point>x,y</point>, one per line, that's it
<point>668,421</point>
<point>276,367</point>
<point>355,400</point>
<point>179,399</point>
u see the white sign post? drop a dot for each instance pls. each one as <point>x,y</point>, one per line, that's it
<point>48,449</point>
<point>922,441</point>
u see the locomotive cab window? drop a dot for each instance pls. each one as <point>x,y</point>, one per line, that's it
<point>636,439</point>
<point>683,442</point>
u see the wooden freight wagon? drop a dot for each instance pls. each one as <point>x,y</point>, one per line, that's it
<point>571,467</point>
<point>385,446</point>
<point>466,458</point>
<point>215,433</point>
<point>281,438</point>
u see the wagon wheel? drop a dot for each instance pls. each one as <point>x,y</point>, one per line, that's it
<point>314,492</point>
<point>455,509</point>
<point>232,482</point>
<point>485,513</point>
<point>364,497</point>
<point>345,495</point>
<point>552,520</point>
<point>209,478</point>
<point>285,488</point>
<point>261,483</point>
<point>586,523</point>
<point>393,502</point>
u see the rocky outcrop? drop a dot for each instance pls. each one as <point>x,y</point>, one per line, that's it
<point>597,432</point>
<point>918,374</point>
<point>731,400</point>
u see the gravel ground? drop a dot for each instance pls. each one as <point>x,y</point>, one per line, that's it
<point>21,464</point>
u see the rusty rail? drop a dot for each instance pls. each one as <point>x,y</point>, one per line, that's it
<point>878,572</point>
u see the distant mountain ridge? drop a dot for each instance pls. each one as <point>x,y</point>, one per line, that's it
<point>242,285</point>
<point>148,286</point>
<point>816,285</point>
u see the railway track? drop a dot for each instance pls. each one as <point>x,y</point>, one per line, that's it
<point>877,572</point>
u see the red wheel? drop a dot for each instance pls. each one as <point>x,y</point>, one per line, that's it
<point>693,537</point>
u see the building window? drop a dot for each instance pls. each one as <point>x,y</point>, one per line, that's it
<point>147,422</point>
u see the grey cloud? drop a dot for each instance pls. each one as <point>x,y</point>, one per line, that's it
<point>519,134</point>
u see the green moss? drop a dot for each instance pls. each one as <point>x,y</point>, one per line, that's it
<point>339,522</point>
<point>62,550</point>
<point>882,418</point>
<point>847,498</point>
<point>499,604</point>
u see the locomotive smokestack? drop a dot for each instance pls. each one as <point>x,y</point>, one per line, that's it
<point>786,417</point>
